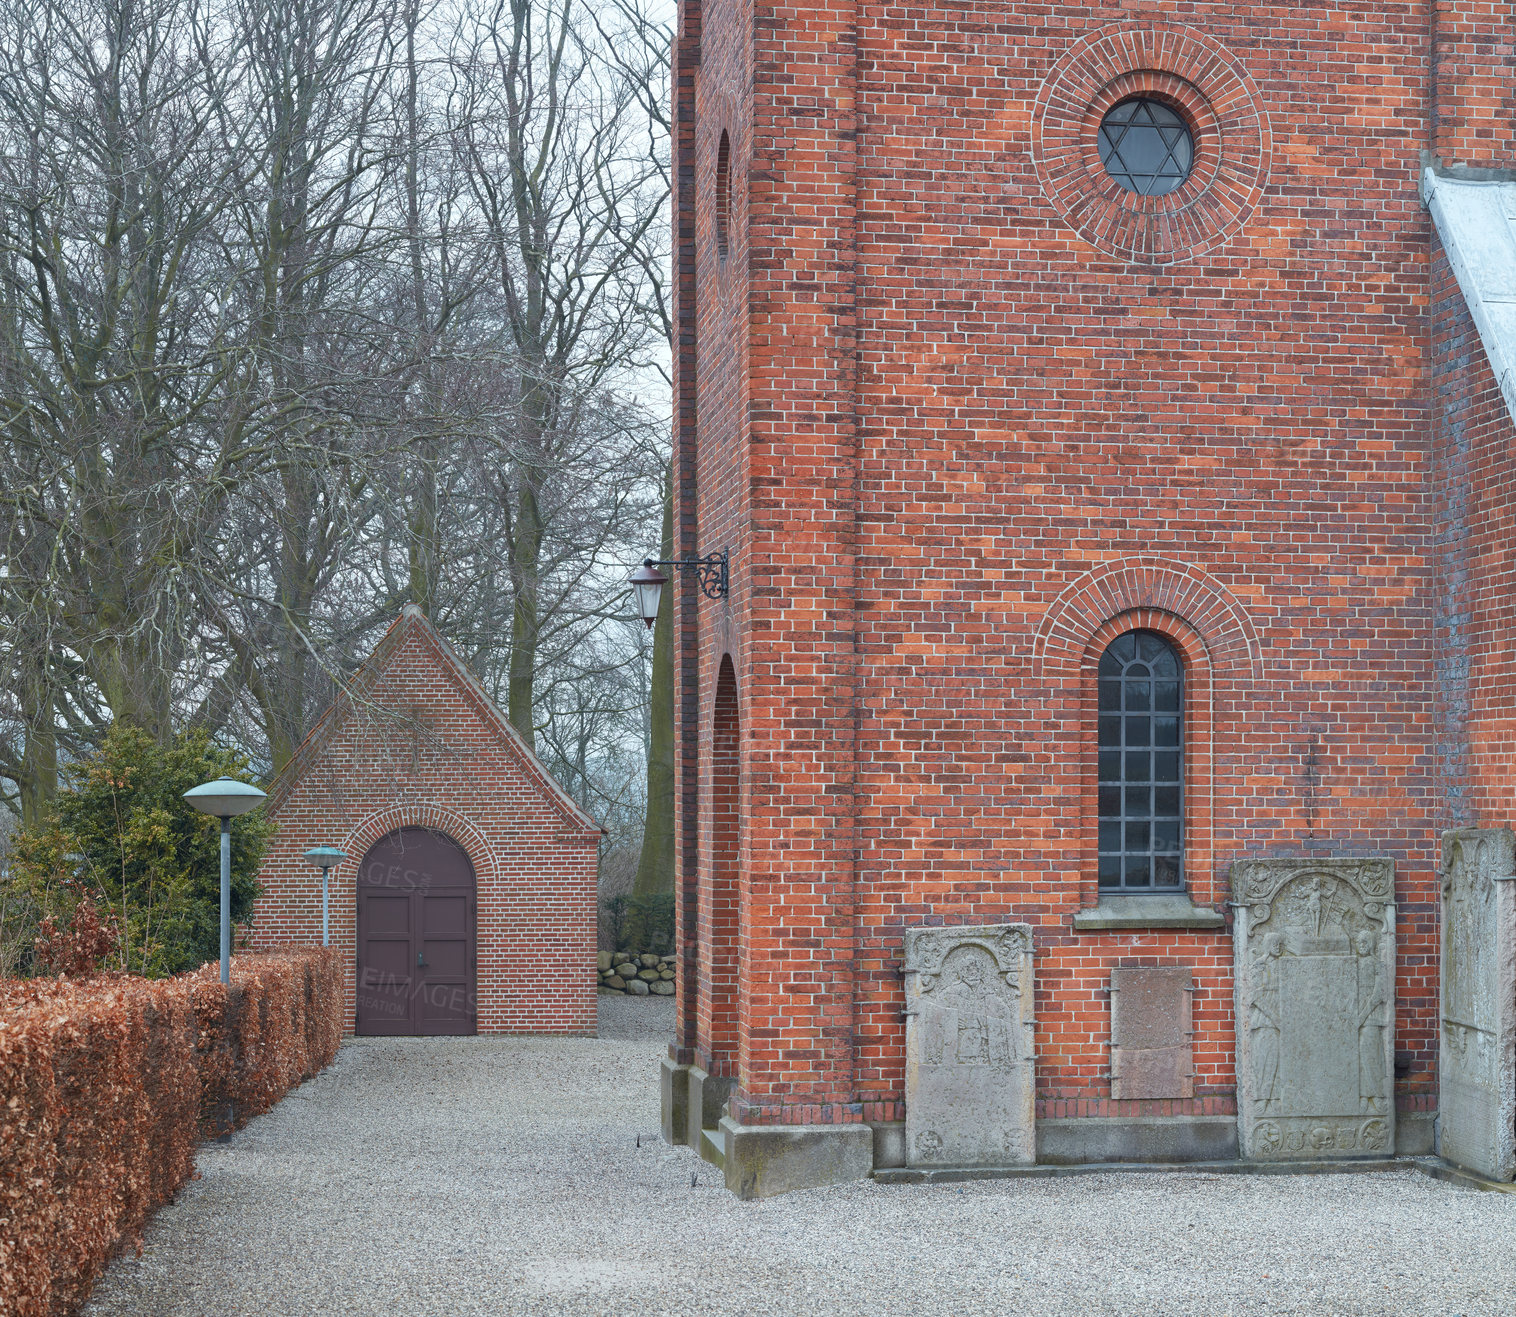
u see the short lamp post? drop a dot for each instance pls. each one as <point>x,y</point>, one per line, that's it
<point>325,858</point>
<point>647,581</point>
<point>225,798</point>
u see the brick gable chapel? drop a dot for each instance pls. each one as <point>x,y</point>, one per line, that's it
<point>466,903</point>
<point>1091,535</point>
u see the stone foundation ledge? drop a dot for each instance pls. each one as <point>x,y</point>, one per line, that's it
<point>759,1161</point>
<point>1441,1170</point>
<point>1137,1139</point>
<point>958,1174</point>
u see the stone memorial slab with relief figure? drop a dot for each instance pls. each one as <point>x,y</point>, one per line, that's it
<point>1477,1065</point>
<point>1314,958</point>
<point>969,1046</point>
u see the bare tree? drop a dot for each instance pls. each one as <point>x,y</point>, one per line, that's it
<point>112,178</point>
<point>307,308</point>
<point>566,201</point>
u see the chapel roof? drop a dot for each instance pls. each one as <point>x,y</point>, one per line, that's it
<point>413,624</point>
<point>1476,220</point>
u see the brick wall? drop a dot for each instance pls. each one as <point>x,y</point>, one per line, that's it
<point>955,445</point>
<point>1473,82</point>
<point>1476,536</point>
<point>416,743</point>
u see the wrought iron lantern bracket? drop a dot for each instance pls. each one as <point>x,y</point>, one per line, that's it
<point>710,571</point>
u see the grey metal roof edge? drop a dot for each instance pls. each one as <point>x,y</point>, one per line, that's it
<point>1444,194</point>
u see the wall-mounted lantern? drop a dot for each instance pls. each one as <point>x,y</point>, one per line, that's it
<point>325,858</point>
<point>224,799</point>
<point>647,581</point>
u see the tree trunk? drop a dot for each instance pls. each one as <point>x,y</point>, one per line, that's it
<point>526,552</point>
<point>425,553</point>
<point>655,869</point>
<point>39,761</point>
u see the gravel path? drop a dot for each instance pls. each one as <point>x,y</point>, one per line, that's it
<point>464,1176</point>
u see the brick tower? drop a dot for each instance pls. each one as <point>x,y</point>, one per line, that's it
<point>1117,490</point>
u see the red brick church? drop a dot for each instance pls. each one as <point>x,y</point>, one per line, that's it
<point>1108,414</point>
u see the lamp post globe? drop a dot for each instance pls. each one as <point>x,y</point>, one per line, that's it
<point>225,799</point>
<point>325,858</point>
<point>647,584</point>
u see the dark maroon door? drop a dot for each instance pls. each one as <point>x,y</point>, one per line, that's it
<point>416,941</point>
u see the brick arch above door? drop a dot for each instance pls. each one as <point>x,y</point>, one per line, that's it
<point>364,835</point>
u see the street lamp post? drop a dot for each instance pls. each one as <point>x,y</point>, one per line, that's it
<point>325,858</point>
<point>225,798</point>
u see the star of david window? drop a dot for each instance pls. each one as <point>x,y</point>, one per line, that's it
<point>1141,768</point>
<point>1146,147</point>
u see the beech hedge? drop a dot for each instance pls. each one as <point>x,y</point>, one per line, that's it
<point>108,1083</point>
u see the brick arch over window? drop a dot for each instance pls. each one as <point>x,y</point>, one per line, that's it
<point>1224,629</point>
<point>1220,649</point>
<point>720,894</point>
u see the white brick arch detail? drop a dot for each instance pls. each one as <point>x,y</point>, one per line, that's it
<point>1147,581</point>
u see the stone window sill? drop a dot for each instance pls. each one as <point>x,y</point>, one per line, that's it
<point>1160,910</point>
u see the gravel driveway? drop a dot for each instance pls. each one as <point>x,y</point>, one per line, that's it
<point>462,1176</point>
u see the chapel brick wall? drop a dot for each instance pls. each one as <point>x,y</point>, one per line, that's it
<point>1037,410</point>
<point>712,297</point>
<point>1475,444</point>
<point>421,749</point>
<point>1473,83</point>
<point>961,421</point>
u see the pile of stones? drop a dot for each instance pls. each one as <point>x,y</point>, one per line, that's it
<point>637,975</point>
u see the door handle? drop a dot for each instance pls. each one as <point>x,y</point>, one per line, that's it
<point>421,959</point>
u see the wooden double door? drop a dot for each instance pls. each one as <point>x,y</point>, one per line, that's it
<point>417,938</point>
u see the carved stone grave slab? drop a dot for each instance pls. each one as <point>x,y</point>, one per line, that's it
<point>1152,1054</point>
<point>1314,956</point>
<point>969,1046</point>
<point>1477,1065</point>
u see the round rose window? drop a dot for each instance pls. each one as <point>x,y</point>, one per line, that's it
<point>1146,147</point>
<point>1150,141</point>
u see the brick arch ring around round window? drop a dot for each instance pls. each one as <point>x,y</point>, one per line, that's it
<point>362,837</point>
<point>1219,648</point>
<point>1194,75</point>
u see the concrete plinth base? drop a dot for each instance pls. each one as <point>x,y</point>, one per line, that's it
<point>674,1101</point>
<point>707,1095</point>
<point>1075,1141</point>
<point>889,1143</point>
<point>1415,1133</point>
<point>763,1160</point>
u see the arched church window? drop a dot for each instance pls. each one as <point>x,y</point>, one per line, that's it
<point>723,194</point>
<point>1141,764</point>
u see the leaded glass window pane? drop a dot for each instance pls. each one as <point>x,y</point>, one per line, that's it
<point>1146,146</point>
<point>1141,765</point>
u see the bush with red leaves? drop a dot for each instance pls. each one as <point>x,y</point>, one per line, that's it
<point>78,949</point>
<point>107,1084</point>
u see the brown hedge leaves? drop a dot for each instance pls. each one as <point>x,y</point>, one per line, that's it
<point>106,1085</point>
